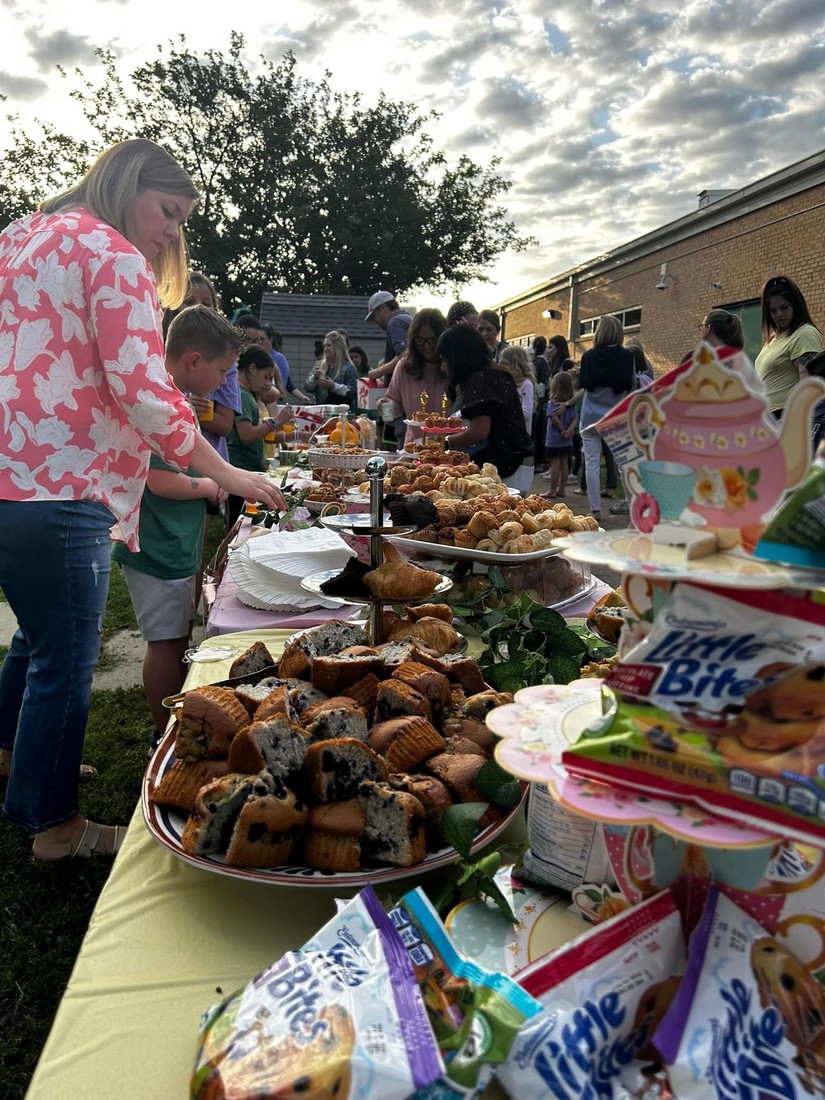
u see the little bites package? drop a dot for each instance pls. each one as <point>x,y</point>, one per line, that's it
<point>748,1021</point>
<point>722,704</point>
<point>604,995</point>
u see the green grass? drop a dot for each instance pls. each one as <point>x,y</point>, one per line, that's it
<point>44,912</point>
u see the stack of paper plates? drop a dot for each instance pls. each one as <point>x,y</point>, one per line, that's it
<point>268,569</point>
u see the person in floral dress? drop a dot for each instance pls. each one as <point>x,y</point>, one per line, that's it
<point>84,399</point>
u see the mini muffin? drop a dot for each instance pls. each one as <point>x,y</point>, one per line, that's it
<point>365,694</point>
<point>470,729</point>
<point>434,686</point>
<point>463,745</point>
<point>334,769</point>
<point>465,539</point>
<point>333,838</point>
<point>268,830</point>
<point>277,745</point>
<point>433,796</point>
<point>395,827</point>
<point>182,783</point>
<point>405,742</point>
<point>481,523</point>
<point>208,720</point>
<point>479,705</point>
<point>335,718</point>
<point>210,825</point>
<point>395,699</point>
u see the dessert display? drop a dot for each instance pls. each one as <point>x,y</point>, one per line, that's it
<point>499,525</point>
<point>345,759</point>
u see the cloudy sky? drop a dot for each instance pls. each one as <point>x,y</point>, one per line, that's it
<point>609,117</point>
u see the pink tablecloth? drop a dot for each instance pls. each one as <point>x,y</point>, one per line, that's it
<point>228,614</point>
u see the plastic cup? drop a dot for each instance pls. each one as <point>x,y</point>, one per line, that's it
<point>207,414</point>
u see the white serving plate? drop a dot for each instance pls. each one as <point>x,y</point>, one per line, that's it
<point>313,584</point>
<point>458,553</point>
<point>166,827</point>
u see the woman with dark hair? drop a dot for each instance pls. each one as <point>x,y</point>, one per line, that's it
<point>489,327</point>
<point>462,313</point>
<point>606,376</point>
<point>489,401</point>
<point>542,368</point>
<point>418,371</point>
<point>359,359</point>
<point>559,355</point>
<point>789,335</point>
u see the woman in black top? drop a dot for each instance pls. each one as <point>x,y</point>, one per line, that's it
<point>489,401</point>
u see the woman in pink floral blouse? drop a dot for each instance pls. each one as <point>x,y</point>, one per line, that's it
<point>84,399</point>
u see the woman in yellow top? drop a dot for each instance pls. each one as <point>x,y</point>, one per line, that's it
<point>791,338</point>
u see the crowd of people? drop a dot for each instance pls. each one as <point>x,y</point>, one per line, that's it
<point>111,435</point>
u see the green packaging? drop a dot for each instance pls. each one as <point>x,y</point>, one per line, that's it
<point>796,533</point>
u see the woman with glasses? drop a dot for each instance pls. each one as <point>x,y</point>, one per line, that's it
<point>790,337</point>
<point>418,372</point>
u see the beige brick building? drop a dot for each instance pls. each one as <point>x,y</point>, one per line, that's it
<point>661,284</point>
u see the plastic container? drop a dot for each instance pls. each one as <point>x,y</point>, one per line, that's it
<point>549,581</point>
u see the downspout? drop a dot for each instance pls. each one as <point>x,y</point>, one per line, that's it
<point>573,309</point>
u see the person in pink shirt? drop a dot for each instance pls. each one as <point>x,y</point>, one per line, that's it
<point>418,371</point>
<point>84,400</point>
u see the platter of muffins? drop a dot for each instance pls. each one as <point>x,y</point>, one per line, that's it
<point>333,765</point>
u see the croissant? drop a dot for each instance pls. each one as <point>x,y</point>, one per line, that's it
<point>436,634</point>
<point>398,580</point>
<point>431,610</point>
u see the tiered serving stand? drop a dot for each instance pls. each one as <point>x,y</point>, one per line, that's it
<point>373,527</point>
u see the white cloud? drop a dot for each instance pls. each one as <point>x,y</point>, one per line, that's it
<point>609,118</point>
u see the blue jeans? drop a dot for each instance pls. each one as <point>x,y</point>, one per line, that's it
<point>54,571</point>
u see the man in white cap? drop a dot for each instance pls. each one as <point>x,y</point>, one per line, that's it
<point>385,311</point>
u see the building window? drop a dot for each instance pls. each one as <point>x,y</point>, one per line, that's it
<point>523,341</point>
<point>630,318</point>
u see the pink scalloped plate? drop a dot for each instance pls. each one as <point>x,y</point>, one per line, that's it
<point>545,720</point>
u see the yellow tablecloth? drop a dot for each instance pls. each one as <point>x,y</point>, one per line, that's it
<point>163,940</point>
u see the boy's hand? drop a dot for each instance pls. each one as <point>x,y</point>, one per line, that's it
<point>199,404</point>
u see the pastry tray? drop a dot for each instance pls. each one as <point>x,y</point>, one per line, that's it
<point>359,523</point>
<point>466,553</point>
<point>313,583</point>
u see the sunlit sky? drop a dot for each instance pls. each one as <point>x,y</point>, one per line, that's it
<point>609,117</point>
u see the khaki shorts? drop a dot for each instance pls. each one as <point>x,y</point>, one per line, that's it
<point>164,609</point>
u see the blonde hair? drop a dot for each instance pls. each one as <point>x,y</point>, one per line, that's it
<point>341,350</point>
<point>561,386</point>
<point>608,331</point>
<point>109,189</point>
<point>517,362</point>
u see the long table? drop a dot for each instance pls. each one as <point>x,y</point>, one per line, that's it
<point>165,941</point>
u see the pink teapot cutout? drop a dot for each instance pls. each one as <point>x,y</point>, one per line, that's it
<point>712,422</point>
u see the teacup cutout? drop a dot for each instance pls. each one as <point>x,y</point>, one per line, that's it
<point>671,484</point>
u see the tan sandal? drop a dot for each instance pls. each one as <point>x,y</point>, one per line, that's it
<point>95,840</point>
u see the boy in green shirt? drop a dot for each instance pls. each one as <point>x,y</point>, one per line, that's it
<point>200,348</point>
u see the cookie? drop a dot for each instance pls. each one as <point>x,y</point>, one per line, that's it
<point>798,694</point>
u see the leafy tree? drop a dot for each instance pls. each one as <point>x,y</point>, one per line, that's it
<point>302,188</point>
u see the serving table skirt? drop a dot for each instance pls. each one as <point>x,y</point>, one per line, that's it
<point>164,940</point>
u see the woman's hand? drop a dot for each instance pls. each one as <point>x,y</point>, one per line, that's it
<point>253,487</point>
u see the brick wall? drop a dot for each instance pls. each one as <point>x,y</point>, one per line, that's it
<point>784,238</point>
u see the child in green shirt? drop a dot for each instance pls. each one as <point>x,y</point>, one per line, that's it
<point>200,348</point>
